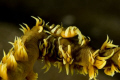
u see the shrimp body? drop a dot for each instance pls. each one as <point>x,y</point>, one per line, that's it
<point>70,32</point>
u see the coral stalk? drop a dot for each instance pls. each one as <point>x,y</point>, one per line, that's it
<point>60,47</point>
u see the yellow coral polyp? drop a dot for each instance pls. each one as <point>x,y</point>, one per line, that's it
<point>11,62</point>
<point>107,57</point>
<point>84,70</point>
<point>92,70</point>
<point>110,70</point>
<point>38,20</point>
<point>47,66</point>
<point>3,71</point>
<point>39,23</point>
<point>108,44</point>
<point>21,54</point>
<point>23,29</point>
<point>19,50</point>
<point>4,59</point>
<point>44,47</point>
<point>100,63</point>
<point>59,65</point>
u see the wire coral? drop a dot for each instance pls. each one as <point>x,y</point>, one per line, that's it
<point>59,47</point>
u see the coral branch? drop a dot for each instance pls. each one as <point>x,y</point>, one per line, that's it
<point>60,47</point>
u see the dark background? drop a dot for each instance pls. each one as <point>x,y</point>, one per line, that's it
<point>95,18</point>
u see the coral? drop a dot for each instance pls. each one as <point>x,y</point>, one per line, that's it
<point>59,47</point>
